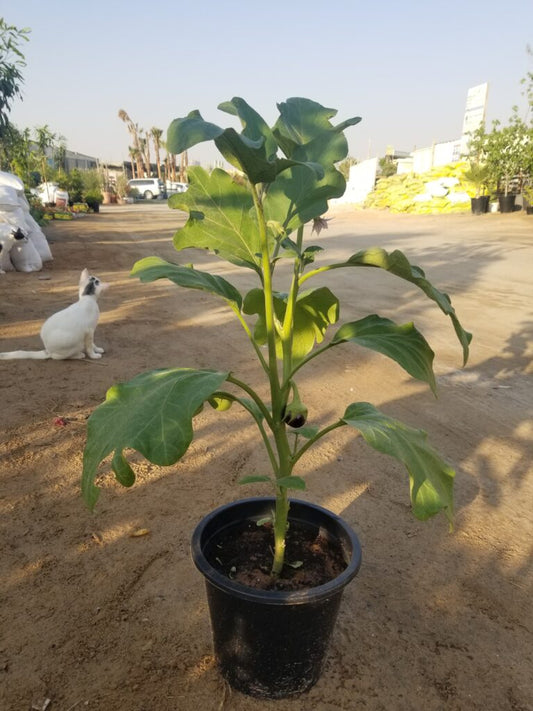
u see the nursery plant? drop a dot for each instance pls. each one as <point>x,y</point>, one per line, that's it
<point>287,173</point>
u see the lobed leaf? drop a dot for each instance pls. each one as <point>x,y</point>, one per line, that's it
<point>314,311</point>
<point>397,263</point>
<point>183,133</point>
<point>220,218</point>
<point>152,413</point>
<point>404,344</point>
<point>430,477</point>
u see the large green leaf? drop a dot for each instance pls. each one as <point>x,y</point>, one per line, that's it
<point>404,344</point>
<point>298,195</point>
<point>254,126</point>
<point>314,311</point>
<point>305,133</point>
<point>303,121</point>
<point>183,133</point>
<point>430,477</point>
<point>397,263</point>
<point>152,268</point>
<point>220,218</point>
<point>253,151</point>
<point>152,414</point>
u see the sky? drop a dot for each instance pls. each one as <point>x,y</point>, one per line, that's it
<point>404,67</point>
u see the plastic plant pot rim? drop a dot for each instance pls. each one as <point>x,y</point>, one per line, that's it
<point>274,597</point>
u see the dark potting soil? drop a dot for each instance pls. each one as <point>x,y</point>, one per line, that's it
<point>244,553</point>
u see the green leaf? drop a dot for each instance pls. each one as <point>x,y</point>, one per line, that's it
<point>254,126</point>
<point>303,121</point>
<point>152,268</point>
<point>220,218</point>
<point>397,263</point>
<point>254,479</point>
<point>183,133</point>
<point>430,477</point>
<point>291,482</point>
<point>298,195</point>
<point>404,344</point>
<point>152,414</point>
<point>123,472</point>
<point>314,311</point>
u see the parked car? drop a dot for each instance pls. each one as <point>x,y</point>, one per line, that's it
<point>149,188</point>
<point>173,187</point>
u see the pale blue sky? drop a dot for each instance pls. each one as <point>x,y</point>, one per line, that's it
<point>405,67</point>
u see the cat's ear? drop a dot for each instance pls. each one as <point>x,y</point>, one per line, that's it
<point>84,276</point>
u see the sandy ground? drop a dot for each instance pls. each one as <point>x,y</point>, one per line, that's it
<point>93,617</point>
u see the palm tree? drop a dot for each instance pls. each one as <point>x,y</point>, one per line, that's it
<point>184,164</point>
<point>145,152</point>
<point>133,155</point>
<point>156,134</point>
<point>134,132</point>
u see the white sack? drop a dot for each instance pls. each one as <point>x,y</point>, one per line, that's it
<point>25,257</point>
<point>21,218</point>
<point>11,181</point>
<point>9,199</point>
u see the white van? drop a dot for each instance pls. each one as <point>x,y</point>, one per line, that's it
<point>148,188</point>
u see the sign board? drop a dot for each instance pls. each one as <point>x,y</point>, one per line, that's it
<point>476,106</point>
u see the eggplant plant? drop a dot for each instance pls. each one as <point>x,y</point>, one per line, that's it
<point>257,219</point>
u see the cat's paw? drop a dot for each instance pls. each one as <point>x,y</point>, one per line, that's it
<point>98,349</point>
<point>94,355</point>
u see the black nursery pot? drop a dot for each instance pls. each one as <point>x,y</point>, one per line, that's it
<point>272,644</point>
<point>507,203</point>
<point>480,205</point>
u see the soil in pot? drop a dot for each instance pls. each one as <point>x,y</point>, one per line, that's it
<point>244,554</point>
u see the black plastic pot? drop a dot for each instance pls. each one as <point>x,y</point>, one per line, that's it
<point>507,203</point>
<point>529,210</point>
<point>480,205</point>
<point>272,644</point>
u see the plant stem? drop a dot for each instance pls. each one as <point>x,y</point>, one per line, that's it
<point>311,442</point>
<point>276,423</point>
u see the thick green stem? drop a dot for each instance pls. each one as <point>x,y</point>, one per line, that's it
<point>280,530</point>
<point>287,333</point>
<point>277,426</point>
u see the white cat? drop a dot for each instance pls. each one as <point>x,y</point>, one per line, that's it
<point>69,333</point>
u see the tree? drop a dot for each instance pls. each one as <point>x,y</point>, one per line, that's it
<point>345,165</point>
<point>387,166</point>
<point>133,158</point>
<point>156,134</point>
<point>134,133</point>
<point>505,152</point>
<point>145,152</point>
<point>44,139</point>
<point>11,63</point>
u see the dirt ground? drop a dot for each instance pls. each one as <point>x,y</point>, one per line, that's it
<point>93,617</point>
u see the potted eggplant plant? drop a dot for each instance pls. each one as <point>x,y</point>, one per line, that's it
<point>271,625</point>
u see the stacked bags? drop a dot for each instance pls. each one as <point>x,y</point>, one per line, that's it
<point>28,253</point>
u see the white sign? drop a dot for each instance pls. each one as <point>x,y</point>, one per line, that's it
<point>476,106</point>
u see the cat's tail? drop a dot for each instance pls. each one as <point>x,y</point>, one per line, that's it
<point>17,355</point>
